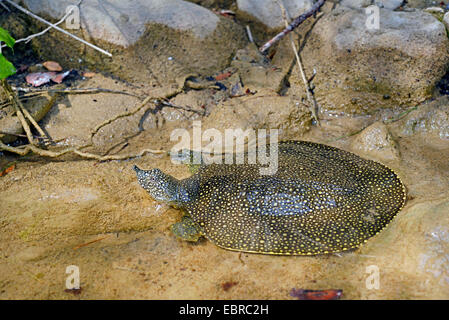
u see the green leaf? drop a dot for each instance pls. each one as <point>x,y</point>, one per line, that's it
<point>6,68</point>
<point>6,38</point>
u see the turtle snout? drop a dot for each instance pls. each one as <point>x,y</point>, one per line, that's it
<point>142,175</point>
<point>136,169</point>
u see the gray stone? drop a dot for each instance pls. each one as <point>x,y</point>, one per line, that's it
<point>446,19</point>
<point>361,69</point>
<point>122,22</point>
<point>432,117</point>
<point>415,246</point>
<point>376,142</point>
<point>269,12</point>
<point>389,4</point>
<point>356,4</point>
<point>434,10</point>
<point>155,42</point>
<point>421,4</point>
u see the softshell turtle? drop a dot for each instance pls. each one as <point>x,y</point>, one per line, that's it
<point>320,200</point>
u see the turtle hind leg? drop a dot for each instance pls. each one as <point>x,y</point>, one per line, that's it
<point>186,230</point>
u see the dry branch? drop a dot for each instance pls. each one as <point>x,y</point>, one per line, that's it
<point>24,150</point>
<point>32,91</point>
<point>54,26</point>
<point>22,113</point>
<point>312,11</point>
<point>28,39</point>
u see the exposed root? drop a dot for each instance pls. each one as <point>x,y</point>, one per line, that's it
<point>121,115</point>
<point>90,242</point>
<point>32,147</point>
<point>171,105</point>
<point>158,100</point>
<point>23,113</point>
<point>30,92</point>
<point>24,150</point>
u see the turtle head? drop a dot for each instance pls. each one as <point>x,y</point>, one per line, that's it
<point>162,187</point>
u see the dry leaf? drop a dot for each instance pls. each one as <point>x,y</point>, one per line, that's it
<point>88,74</point>
<point>223,76</point>
<point>7,170</point>
<point>39,78</point>
<point>59,77</point>
<point>52,66</point>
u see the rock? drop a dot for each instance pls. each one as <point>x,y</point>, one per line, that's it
<point>163,39</point>
<point>255,70</point>
<point>421,4</point>
<point>434,10</point>
<point>72,119</point>
<point>377,142</point>
<point>265,110</point>
<point>123,22</point>
<point>416,246</point>
<point>269,13</point>
<point>356,4</point>
<point>431,118</point>
<point>389,4</point>
<point>360,70</point>
<point>446,19</point>
<point>9,122</point>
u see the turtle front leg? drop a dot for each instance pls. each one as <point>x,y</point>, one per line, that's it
<point>186,229</point>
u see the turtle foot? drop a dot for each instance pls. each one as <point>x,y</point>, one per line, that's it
<point>186,230</point>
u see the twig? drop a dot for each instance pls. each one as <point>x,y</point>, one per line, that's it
<point>250,35</point>
<point>312,77</point>
<point>347,135</point>
<point>24,97</point>
<point>74,91</point>
<point>300,19</point>
<point>33,94</point>
<point>24,150</point>
<point>121,115</point>
<point>5,7</point>
<point>401,115</point>
<point>22,112</point>
<point>314,105</point>
<point>13,134</point>
<point>31,119</point>
<point>132,112</point>
<point>17,109</point>
<point>159,105</point>
<point>20,135</point>
<point>171,105</point>
<point>27,39</point>
<point>90,242</point>
<point>57,28</point>
<point>24,123</point>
